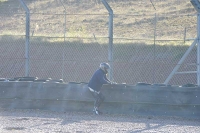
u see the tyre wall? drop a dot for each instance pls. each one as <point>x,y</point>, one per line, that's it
<point>120,98</point>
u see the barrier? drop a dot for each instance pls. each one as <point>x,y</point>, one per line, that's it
<point>120,98</point>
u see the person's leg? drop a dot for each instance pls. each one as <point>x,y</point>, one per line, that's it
<point>99,98</point>
<point>96,101</point>
<point>96,98</point>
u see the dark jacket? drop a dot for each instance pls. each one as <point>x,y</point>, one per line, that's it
<point>98,79</point>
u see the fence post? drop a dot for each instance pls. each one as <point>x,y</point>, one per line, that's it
<point>181,61</point>
<point>198,49</point>
<point>64,39</point>
<point>155,25</point>
<point>110,49</point>
<point>27,37</point>
<point>184,35</point>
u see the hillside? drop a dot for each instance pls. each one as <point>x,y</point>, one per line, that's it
<point>84,18</point>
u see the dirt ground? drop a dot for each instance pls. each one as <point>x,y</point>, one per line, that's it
<point>38,121</point>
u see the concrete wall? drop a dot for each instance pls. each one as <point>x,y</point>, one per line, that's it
<point>120,99</point>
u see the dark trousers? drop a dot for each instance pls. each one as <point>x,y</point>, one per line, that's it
<point>99,98</point>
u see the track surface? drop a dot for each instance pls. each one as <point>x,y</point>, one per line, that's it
<point>37,121</point>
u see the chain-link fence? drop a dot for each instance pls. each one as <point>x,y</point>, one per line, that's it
<point>69,39</point>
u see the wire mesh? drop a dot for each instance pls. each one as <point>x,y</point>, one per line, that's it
<point>69,39</point>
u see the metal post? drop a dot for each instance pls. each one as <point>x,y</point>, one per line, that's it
<point>64,39</point>
<point>185,34</point>
<point>196,4</point>
<point>110,49</point>
<point>65,19</point>
<point>155,23</point>
<point>180,62</point>
<point>27,37</point>
<point>198,49</point>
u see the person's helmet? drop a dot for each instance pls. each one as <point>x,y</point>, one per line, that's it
<point>104,66</point>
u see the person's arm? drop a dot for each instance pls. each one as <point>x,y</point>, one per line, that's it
<point>103,79</point>
<point>109,80</point>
